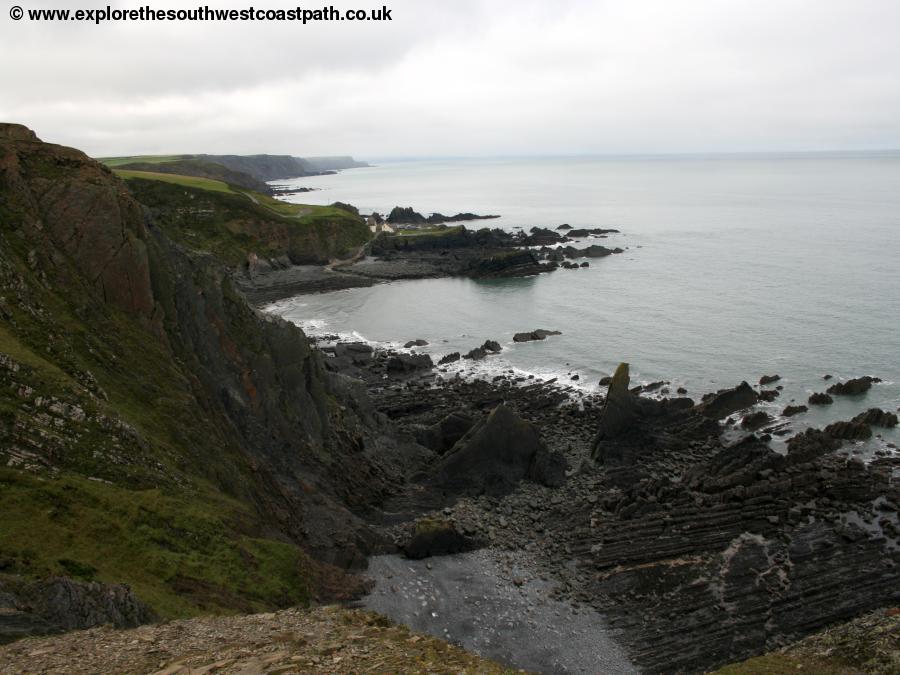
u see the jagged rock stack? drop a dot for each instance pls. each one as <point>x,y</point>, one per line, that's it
<point>619,412</point>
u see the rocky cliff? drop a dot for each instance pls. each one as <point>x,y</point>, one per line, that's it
<point>154,428</point>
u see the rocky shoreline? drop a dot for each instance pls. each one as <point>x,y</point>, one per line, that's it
<point>698,547</point>
<point>431,252</point>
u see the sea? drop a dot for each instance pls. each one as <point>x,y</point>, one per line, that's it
<point>735,267</point>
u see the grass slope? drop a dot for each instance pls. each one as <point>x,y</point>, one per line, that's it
<point>112,468</point>
<point>233,224</point>
<point>176,179</point>
<point>113,162</point>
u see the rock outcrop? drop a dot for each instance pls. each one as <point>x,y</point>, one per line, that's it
<point>59,604</point>
<point>139,367</point>
<point>620,411</point>
<point>854,387</point>
<point>534,335</point>
<point>726,402</point>
<point>494,456</point>
<point>433,537</point>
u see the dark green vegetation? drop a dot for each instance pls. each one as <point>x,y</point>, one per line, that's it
<point>154,429</point>
<point>233,225</point>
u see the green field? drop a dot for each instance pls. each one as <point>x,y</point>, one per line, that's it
<point>113,162</point>
<point>186,181</point>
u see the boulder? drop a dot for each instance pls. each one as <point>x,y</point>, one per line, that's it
<point>492,346</point>
<point>769,379</point>
<point>541,236</point>
<point>728,401</point>
<point>494,456</point>
<point>511,263</point>
<point>854,387</point>
<point>876,417</point>
<point>443,435</point>
<point>819,398</point>
<point>476,354</point>
<point>432,536</point>
<point>401,364</point>
<point>755,420</point>
<point>792,410</point>
<point>810,444</point>
<point>449,358</point>
<point>358,353</point>
<point>416,343</point>
<point>849,431</point>
<point>769,395</point>
<point>538,334</point>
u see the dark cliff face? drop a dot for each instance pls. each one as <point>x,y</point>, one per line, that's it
<point>264,167</point>
<point>131,362</point>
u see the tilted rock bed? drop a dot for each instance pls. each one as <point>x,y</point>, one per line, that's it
<point>700,554</point>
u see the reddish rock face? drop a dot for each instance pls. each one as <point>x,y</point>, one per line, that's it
<point>86,211</point>
<point>17,132</point>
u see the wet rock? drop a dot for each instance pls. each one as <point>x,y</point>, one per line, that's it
<point>755,420</point>
<point>791,410</point>
<point>449,358</point>
<point>854,387</point>
<point>819,398</point>
<point>769,395</point>
<point>541,236</point>
<point>538,334</point>
<point>876,417</point>
<point>416,343</point>
<point>849,431</point>
<point>434,537</point>
<point>515,263</point>
<point>769,379</point>
<point>728,401</point>
<point>492,346</point>
<point>811,444</point>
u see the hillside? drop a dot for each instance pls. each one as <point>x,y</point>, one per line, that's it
<point>154,429</point>
<point>199,169</point>
<point>240,227</point>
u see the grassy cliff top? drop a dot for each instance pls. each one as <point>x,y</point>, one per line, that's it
<point>154,159</point>
<point>176,179</point>
<point>235,224</point>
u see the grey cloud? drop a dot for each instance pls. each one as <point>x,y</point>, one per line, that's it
<point>473,77</point>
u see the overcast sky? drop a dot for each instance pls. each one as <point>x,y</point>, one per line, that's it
<point>466,77</point>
